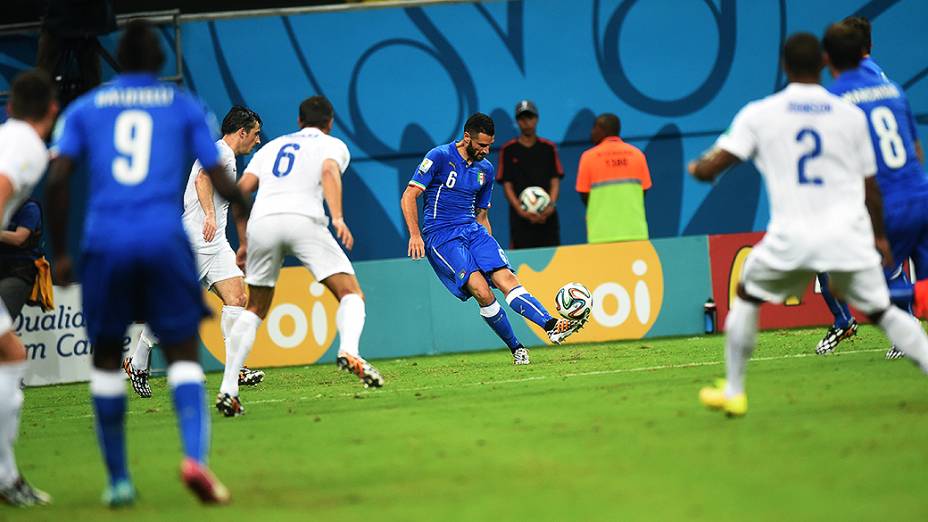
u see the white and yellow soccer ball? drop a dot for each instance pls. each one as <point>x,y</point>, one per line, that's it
<point>534,199</point>
<point>573,301</point>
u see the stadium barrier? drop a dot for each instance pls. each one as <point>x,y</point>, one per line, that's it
<point>641,289</point>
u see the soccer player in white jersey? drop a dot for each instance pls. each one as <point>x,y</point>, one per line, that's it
<point>205,216</point>
<point>23,158</point>
<point>293,174</point>
<point>815,154</point>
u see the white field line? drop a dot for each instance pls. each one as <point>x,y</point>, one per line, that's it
<point>543,377</point>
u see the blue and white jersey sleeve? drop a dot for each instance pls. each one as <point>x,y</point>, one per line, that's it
<point>201,135</point>
<point>430,166</point>
<point>740,138</point>
<point>485,194</point>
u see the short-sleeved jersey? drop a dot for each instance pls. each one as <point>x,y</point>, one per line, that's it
<point>289,171</point>
<point>454,189</point>
<point>869,65</point>
<point>23,159</point>
<point>136,135</point>
<point>813,150</point>
<point>28,215</point>
<point>615,174</point>
<point>533,166</point>
<point>194,216</point>
<point>892,130</point>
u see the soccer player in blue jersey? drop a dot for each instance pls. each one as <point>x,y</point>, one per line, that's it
<point>456,237</point>
<point>135,135</point>
<point>900,175</point>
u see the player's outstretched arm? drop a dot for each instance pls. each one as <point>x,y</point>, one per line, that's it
<point>410,205</point>
<point>874,200</point>
<point>711,164</point>
<point>204,188</point>
<point>332,192</point>
<point>57,201</point>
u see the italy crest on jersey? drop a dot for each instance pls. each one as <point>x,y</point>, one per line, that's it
<point>481,177</point>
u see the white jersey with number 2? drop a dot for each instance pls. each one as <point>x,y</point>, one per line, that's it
<point>814,151</point>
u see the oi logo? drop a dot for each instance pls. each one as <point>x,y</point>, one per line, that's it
<point>299,328</point>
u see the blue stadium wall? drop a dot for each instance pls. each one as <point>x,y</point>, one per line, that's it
<point>404,79</point>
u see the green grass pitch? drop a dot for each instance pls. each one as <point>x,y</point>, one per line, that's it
<point>599,432</point>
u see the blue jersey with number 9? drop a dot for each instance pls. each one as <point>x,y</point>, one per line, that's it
<point>137,137</point>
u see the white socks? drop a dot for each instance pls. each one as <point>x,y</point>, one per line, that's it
<point>142,351</point>
<point>905,332</point>
<point>241,340</point>
<point>11,401</point>
<point>740,338</point>
<point>230,315</point>
<point>349,319</point>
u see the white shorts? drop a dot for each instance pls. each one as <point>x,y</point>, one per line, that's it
<point>216,265</point>
<point>864,289</point>
<point>272,237</point>
<point>6,321</point>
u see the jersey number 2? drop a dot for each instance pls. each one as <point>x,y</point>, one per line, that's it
<point>812,153</point>
<point>132,139</point>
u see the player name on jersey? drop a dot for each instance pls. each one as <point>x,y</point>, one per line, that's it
<point>135,96</point>
<point>869,94</point>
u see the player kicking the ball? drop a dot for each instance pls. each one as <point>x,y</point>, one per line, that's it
<point>456,237</point>
<point>814,152</point>
<point>295,172</point>
<point>205,214</point>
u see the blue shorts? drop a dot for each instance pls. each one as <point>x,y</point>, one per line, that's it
<point>907,231</point>
<point>457,252</point>
<point>151,279</point>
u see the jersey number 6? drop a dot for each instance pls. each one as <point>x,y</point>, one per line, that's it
<point>285,154</point>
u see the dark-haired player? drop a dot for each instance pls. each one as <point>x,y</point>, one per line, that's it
<point>204,219</point>
<point>23,157</point>
<point>813,150</point>
<point>903,182</point>
<point>295,173</point>
<point>134,135</point>
<point>457,181</point>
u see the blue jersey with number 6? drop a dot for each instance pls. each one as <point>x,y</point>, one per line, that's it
<point>453,188</point>
<point>892,129</point>
<point>137,137</point>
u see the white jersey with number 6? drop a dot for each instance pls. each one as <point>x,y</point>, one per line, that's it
<point>289,171</point>
<point>814,151</point>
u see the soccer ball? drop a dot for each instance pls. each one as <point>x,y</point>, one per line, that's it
<point>573,301</point>
<point>534,200</point>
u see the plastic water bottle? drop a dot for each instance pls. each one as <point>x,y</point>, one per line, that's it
<point>710,313</point>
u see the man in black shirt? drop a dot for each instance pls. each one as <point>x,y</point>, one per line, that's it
<point>529,161</point>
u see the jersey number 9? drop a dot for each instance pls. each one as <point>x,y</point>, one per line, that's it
<point>132,139</point>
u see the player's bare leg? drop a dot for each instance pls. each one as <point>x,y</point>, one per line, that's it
<point>241,340</point>
<point>14,489</point>
<point>349,319</point>
<point>494,315</point>
<point>232,293</point>
<point>740,337</point>
<point>526,305</point>
<point>186,379</point>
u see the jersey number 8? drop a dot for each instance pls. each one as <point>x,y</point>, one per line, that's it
<point>132,139</point>
<point>887,129</point>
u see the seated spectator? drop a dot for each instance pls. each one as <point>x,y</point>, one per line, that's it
<point>25,277</point>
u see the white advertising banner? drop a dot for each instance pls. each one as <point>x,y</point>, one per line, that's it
<point>57,348</point>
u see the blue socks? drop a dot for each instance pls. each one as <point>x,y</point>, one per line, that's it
<point>108,389</point>
<point>495,317</point>
<point>527,306</point>
<point>838,308</point>
<point>900,289</point>
<point>188,390</point>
